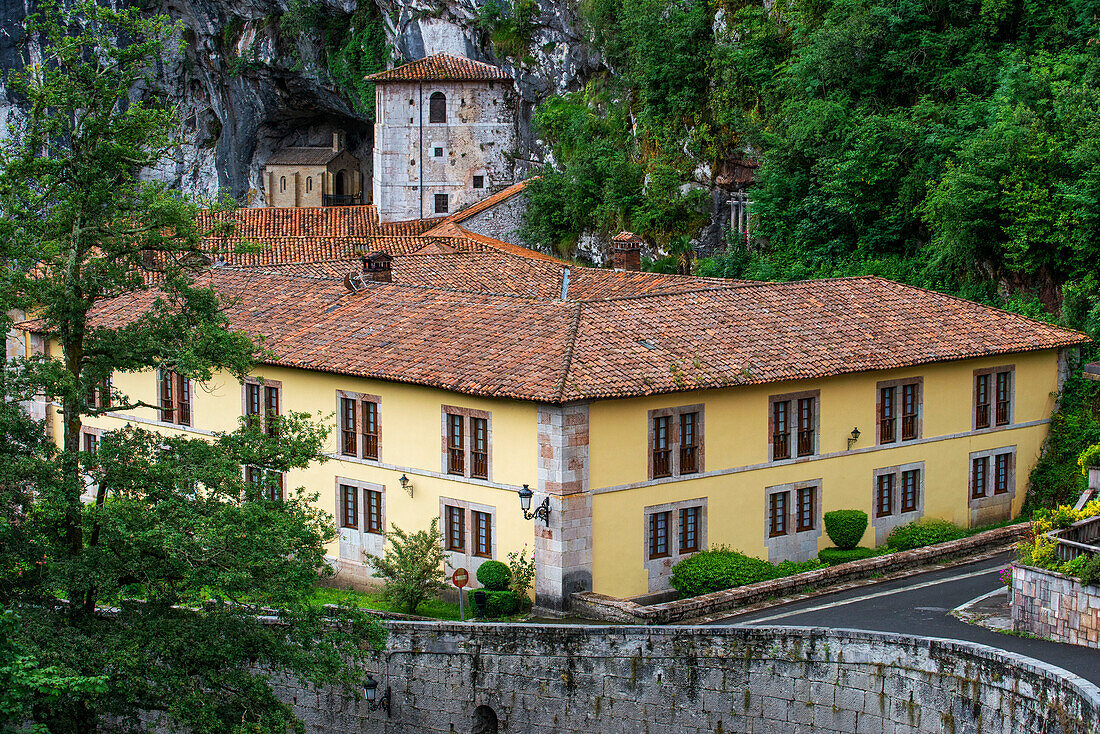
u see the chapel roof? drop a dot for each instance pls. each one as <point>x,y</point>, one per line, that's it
<point>441,67</point>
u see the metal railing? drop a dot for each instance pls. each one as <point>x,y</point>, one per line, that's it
<point>1079,539</point>
<point>341,199</point>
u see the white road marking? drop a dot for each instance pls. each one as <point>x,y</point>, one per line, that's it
<point>983,597</point>
<point>844,602</point>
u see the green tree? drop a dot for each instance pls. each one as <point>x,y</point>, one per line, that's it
<point>154,590</point>
<point>412,569</point>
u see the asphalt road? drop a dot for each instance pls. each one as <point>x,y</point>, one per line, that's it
<point>919,605</point>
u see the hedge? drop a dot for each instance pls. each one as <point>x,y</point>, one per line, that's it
<point>719,569</point>
<point>923,532</point>
<point>833,556</point>
<point>845,527</point>
<point>499,603</point>
<point>494,575</point>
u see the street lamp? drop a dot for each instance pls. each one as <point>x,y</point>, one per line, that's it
<point>406,484</point>
<point>370,690</point>
<point>542,511</point>
<point>853,438</point>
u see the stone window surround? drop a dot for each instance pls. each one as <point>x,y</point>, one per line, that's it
<point>792,419</point>
<point>899,401</point>
<point>674,439</point>
<point>90,431</point>
<point>659,570</point>
<point>159,372</point>
<point>356,541</point>
<point>262,382</point>
<point>466,559</point>
<point>1011,368</point>
<point>991,499</point>
<point>359,398</point>
<point>467,441</point>
<point>795,544</point>
<point>883,525</point>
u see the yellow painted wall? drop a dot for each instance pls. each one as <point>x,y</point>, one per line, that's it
<point>736,435</point>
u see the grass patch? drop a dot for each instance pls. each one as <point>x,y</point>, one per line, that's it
<point>435,608</point>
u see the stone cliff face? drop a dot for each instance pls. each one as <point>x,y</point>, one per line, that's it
<point>249,83</point>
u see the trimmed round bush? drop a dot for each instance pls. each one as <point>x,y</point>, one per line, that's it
<point>494,575</point>
<point>833,556</point>
<point>845,527</point>
<point>500,603</point>
<point>923,532</point>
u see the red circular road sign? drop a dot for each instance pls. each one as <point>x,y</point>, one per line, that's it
<point>460,577</point>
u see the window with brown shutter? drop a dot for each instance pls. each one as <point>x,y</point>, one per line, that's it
<point>348,436</point>
<point>910,406</point>
<point>479,448</point>
<point>456,448</point>
<point>91,443</point>
<point>483,534</point>
<point>370,429</point>
<point>175,398</point>
<point>1001,476</point>
<point>455,520</point>
<point>271,410</point>
<point>349,503</point>
<point>884,501</point>
<point>805,511</point>
<point>981,401</point>
<point>374,512</point>
<point>689,529</point>
<point>781,430</point>
<point>689,448</point>
<point>658,534</point>
<point>167,397</point>
<point>978,473</point>
<point>437,107</point>
<point>1004,397</point>
<point>662,466</point>
<point>806,426</point>
<point>183,400</point>
<point>887,426</point>
<point>777,513</point>
<point>99,395</point>
<point>910,490</point>
<point>264,484</point>
<point>252,404</point>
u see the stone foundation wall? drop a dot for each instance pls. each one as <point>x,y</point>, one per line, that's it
<point>1055,606</point>
<point>450,677</point>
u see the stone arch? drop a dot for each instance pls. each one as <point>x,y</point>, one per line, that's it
<point>485,720</point>
<point>282,183</point>
<point>437,107</point>
<point>341,183</point>
<point>309,184</point>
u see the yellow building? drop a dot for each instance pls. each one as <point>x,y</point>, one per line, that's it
<point>655,415</point>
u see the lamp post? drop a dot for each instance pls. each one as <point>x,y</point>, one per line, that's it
<point>853,438</point>
<point>542,511</point>
<point>406,484</point>
<point>370,690</point>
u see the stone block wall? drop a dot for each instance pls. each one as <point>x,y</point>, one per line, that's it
<point>502,221</point>
<point>1055,606</point>
<point>538,679</point>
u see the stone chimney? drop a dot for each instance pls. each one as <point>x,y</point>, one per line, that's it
<point>338,141</point>
<point>378,267</point>
<point>626,251</point>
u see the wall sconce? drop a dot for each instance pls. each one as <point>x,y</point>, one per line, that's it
<point>370,690</point>
<point>853,438</point>
<point>406,484</point>
<point>542,510</point>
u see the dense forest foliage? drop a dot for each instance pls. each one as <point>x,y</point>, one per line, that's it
<point>951,144</point>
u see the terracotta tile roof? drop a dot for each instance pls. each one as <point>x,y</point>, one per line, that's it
<point>272,251</point>
<point>319,221</point>
<point>441,67</point>
<point>489,202</point>
<point>302,157</point>
<point>543,349</point>
<point>626,237</point>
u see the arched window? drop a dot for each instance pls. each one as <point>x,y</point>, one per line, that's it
<point>341,184</point>
<point>437,107</point>
<point>282,183</point>
<point>309,184</point>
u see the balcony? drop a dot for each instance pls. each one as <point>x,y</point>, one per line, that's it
<point>341,199</point>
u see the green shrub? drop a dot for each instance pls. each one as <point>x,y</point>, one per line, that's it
<point>722,568</point>
<point>923,532</point>
<point>500,603</point>
<point>494,575</point>
<point>833,556</point>
<point>845,527</point>
<point>1090,574</point>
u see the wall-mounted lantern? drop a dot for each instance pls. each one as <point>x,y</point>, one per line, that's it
<point>370,690</point>
<point>542,511</point>
<point>853,438</point>
<point>406,484</point>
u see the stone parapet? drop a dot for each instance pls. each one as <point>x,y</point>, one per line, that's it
<point>452,677</point>
<point>1055,606</point>
<point>597,606</point>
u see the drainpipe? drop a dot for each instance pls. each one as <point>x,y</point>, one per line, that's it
<point>420,154</point>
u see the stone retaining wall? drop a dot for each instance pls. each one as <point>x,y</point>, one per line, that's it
<point>591,605</point>
<point>538,679</point>
<point>1055,606</point>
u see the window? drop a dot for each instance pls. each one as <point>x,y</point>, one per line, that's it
<point>252,404</point>
<point>688,445</point>
<point>910,490</point>
<point>479,182</point>
<point>349,506</point>
<point>805,510</point>
<point>981,402</point>
<point>91,443</point>
<point>910,402</point>
<point>978,473</point>
<point>271,409</point>
<point>309,184</point>
<point>479,449</point>
<point>777,513</point>
<point>455,520</point>
<point>175,398</point>
<point>262,405</point>
<point>374,511</point>
<point>805,426</point>
<point>456,452</point>
<point>658,534</point>
<point>99,394</point>
<point>992,397</point>
<point>898,403</point>
<point>440,203</point>
<point>886,424</point>
<point>483,534</point>
<point>884,497</point>
<point>358,425</point>
<point>437,107</point>
<point>282,183</point>
<point>1002,467</point>
<point>781,430</point>
<point>265,484</point>
<point>662,466</point>
<point>1004,393</point>
<point>689,529</point>
<point>437,151</point>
